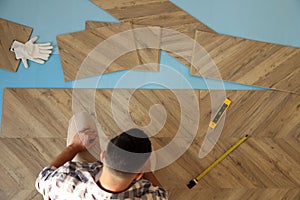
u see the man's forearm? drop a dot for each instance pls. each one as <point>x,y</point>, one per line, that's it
<point>67,155</point>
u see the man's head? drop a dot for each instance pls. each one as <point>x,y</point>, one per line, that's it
<point>127,153</point>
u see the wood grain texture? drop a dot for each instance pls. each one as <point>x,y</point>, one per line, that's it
<point>148,51</point>
<point>238,60</point>
<point>157,13</point>
<point>91,52</point>
<point>31,108</point>
<point>270,114</point>
<point>13,194</point>
<point>161,13</point>
<point>253,171</point>
<point>21,162</point>
<point>266,166</point>
<point>250,172</point>
<point>10,31</point>
<point>251,62</point>
<point>75,48</point>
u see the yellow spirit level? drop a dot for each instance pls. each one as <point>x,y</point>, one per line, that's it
<point>220,113</point>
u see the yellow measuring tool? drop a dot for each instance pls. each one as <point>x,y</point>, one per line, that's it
<point>194,182</point>
<point>220,113</point>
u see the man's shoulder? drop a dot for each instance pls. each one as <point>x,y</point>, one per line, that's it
<point>71,169</point>
<point>144,188</point>
<point>72,166</point>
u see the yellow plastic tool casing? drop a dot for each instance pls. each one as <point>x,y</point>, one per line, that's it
<point>220,113</point>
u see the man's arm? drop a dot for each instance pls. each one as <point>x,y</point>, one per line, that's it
<point>67,155</point>
<point>82,140</point>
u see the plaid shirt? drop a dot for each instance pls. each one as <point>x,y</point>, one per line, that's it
<point>76,180</point>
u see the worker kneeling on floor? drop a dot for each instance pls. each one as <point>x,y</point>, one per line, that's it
<point>119,174</point>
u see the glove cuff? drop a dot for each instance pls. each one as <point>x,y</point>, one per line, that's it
<point>18,48</point>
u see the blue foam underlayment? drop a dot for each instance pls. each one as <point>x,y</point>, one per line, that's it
<point>51,18</point>
<point>275,21</point>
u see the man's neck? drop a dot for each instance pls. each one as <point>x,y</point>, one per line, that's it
<point>111,183</point>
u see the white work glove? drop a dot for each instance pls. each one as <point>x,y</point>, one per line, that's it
<point>35,52</point>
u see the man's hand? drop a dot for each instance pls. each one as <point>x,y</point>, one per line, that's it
<point>85,139</point>
<point>81,142</point>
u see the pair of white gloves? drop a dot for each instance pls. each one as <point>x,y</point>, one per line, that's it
<point>30,51</point>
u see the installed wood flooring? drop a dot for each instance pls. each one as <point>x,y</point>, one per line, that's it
<point>266,166</point>
<point>10,31</point>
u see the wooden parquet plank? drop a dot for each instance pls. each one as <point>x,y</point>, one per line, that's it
<point>235,194</point>
<point>250,62</point>
<point>270,114</point>
<point>40,114</point>
<point>249,166</point>
<point>82,55</point>
<point>95,24</point>
<point>245,173</point>
<point>161,13</point>
<point>12,194</point>
<point>147,55</point>
<point>158,13</point>
<point>10,31</point>
<point>22,160</point>
<point>75,47</point>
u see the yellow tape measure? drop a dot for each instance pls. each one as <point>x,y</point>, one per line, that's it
<point>220,113</point>
<point>193,182</point>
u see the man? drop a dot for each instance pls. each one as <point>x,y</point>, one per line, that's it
<point>119,174</point>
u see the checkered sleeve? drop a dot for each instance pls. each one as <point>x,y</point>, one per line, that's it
<point>51,178</point>
<point>43,182</point>
<point>157,193</point>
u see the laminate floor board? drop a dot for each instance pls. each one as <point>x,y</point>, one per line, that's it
<point>148,51</point>
<point>89,53</point>
<point>10,31</point>
<point>250,171</point>
<point>249,62</point>
<point>235,194</point>
<point>23,159</point>
<point>269,114</point>
<point>260,114</point>
<point>180,36</point>
<point>254,164</point>
<point>38,117</point>
<point>127,3</point>
<point>43,113</point>
<point>157,13</point>
<point>12,194</point>
<point>96,24</point>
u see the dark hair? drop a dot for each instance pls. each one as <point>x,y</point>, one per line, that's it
<point>128,152</point>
